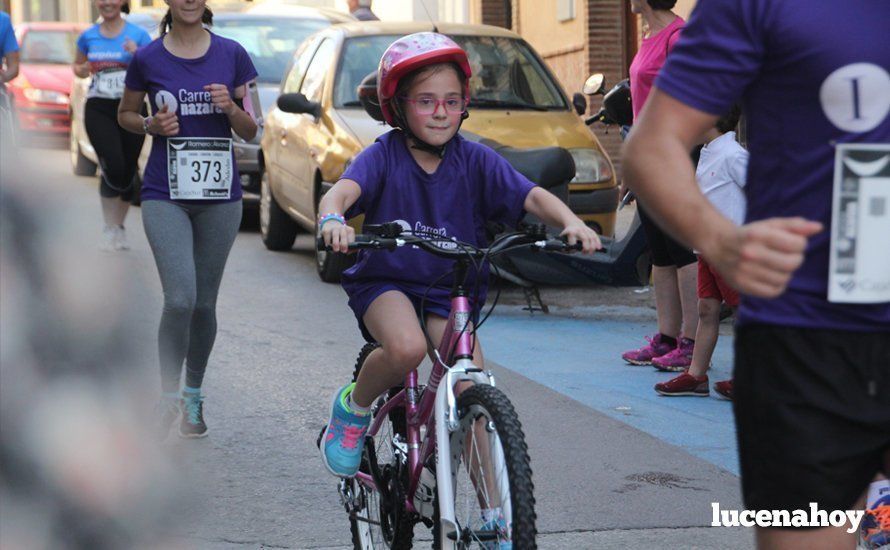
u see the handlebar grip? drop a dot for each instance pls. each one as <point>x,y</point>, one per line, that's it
<point>560,245</point>
<point>361,241</point>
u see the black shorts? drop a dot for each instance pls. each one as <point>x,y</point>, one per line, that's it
<point>117,149</point>
<point>812,412</point>
<point>666,252</point>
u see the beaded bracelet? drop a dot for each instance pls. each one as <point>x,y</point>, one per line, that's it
<point>329,217</point>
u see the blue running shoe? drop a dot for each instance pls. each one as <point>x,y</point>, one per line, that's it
<point>192,425</point>
<point>344,437</point>
<point>503,542</point>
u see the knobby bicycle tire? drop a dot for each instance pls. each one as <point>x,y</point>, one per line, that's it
<point>403,530</point>
<point>500,411</point>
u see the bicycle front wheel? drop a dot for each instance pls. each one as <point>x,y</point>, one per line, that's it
<point>494,502</point>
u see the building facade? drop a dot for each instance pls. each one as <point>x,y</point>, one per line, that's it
<point>81,11</point>
<point>576,38</point>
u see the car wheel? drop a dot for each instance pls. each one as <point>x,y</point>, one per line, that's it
<point>81,165</point>
<point>277,229</point>
<point>330,265</point>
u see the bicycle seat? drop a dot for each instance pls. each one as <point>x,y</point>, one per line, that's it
<point>546,166</point>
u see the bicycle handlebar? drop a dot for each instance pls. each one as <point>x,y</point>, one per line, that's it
<point>457,249</point>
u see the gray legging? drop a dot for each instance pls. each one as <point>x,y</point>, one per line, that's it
<point>191,243</point>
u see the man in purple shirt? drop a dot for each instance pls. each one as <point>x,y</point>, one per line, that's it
<point>812,383</point>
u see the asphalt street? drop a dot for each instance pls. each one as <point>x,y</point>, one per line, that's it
<point>615,466</point>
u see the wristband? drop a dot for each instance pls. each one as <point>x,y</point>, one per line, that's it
<point>328,217</point>
<point>146,123</point>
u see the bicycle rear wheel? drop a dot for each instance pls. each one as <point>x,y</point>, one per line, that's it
<point>494,499</point>
<point>379,519</point>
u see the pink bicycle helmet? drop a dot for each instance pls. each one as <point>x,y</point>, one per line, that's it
<point>412,52</point>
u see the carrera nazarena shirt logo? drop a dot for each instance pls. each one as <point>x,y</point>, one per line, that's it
<point>187,103</point>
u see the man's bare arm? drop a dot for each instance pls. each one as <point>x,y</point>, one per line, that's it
<point>758,258</point>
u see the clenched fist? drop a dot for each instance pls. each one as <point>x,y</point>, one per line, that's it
<point>164,123</point>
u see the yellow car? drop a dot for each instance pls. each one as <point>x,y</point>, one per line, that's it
<point>515,100</point>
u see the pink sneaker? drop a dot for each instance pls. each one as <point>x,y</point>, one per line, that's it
<point>678,359</point>
<point>645,354</point>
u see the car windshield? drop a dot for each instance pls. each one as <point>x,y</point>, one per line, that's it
<point>55,47</point>
<point>506,74</point>
<point>269,42</point>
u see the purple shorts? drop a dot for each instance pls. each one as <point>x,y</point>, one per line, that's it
<point>361,295</point>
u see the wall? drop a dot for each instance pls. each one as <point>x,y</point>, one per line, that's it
<point>562,44</point>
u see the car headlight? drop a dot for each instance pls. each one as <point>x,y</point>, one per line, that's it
<point>36,95</point>
<point>590,166</point>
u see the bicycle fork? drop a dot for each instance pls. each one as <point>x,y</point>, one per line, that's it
<point>447,422</point>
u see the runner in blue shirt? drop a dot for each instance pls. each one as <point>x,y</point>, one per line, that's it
<point>104,51</point>
<point>9,57</point>
<point>812,383</point>
<point>9,50</point>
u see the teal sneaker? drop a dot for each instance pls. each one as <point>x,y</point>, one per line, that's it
<point>344,436</point>
<point>192,425</point>
<point>503,542</point>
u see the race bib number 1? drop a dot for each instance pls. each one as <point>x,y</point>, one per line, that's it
<point>199,168</point>
<point>859,268</point>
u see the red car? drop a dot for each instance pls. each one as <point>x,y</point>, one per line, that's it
<point>44,82</point>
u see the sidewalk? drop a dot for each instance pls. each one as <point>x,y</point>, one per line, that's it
<point>577,352</point>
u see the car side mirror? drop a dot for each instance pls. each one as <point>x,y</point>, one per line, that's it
<point>595,84</point>
<point>580,103</point>
<point>299,104</point>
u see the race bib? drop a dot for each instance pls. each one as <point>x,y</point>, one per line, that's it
<point>109,83</point>
<point>199,168</point>
<point>859,268</point>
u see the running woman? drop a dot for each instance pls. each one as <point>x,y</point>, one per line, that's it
<point>104,51</point>
<point>191,195</point>
<point>9,50</point>
<point>812,382</point>
<point>9,69</point>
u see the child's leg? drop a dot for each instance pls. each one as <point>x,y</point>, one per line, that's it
<point>705,335</point>
<point>435,325</point>
<point>392,321</point>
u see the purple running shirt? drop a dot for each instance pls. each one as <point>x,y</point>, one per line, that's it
<point>810,76</point>
<point>180,83</point>
<point>472,185</point>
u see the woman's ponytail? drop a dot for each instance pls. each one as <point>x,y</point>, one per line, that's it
<point>167,22</point>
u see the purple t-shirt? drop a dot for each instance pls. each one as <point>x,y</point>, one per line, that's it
<point>472,185</point>
<point>781,59</point>
<point>180,83</point>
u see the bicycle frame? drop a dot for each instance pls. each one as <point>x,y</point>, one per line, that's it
<point>437,411</point>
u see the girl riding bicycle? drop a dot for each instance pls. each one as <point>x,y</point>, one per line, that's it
<point>432,182</point>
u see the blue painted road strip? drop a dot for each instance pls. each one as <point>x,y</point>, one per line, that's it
<point>580,357</point>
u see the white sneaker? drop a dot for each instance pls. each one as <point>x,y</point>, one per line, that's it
<point>120,238</point>
<point>109,239</point>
